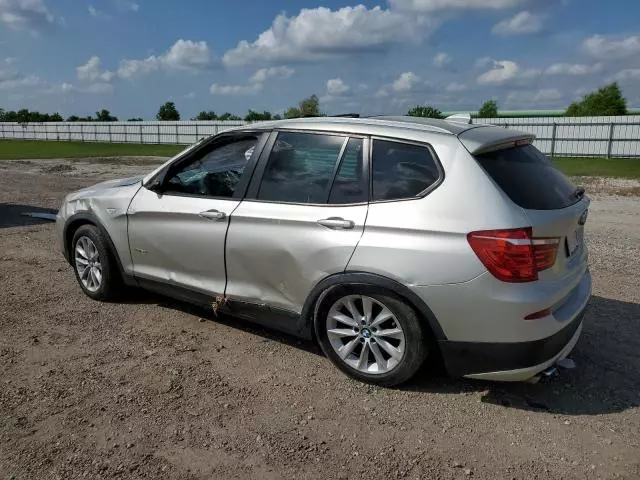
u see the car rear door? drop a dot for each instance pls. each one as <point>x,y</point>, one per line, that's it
<point>177,223</point>
<point>302,219</point>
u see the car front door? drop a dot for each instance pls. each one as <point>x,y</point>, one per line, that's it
<point>301,220</point>
<point>177,223</point>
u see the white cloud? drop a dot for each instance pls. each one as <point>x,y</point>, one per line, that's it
<point>406,82</point>
<point>442,60</point>
<point>90,71</point>
<point>506,71</point>
<point>13,80</point>
<point>187,55</point>
<point>522,23</point>
<point>190,95</point>
<point>137,68</point>
<point>336,87</point>
<point>541,98</point>
<point>25,14</point>
<point>430,6</point>
<point>456,87</point>
<point>58,89</point>
<point>382,93</point>
<point>484,62</point>
<point>321,32</point>
<point>263,74</point>
<point>627,74</point>
<point>10,60</point>
<point>183,55</point>
<point>127,6</point>
<point>100,87</point>
<point>573,69</point>
<point>217,89</point>
<point>65,88</point>
<point>95,13</point>
<point>611,48</point>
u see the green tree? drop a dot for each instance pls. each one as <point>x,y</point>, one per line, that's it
<point>489,109</point>
<point>27,116</point>
<point>607,100</point>
<point>277,116</point>
<point>425,111</point>
<point>75,118</point>
<point>168,112</point>
<point>308,107</point>
<point>292,112</point>
<point>228,116</point>
<point>105,116</point>
<point>135,119</point>
<point>257,116</point>
<point>210,115</point>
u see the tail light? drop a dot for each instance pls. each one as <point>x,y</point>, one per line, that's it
<point>514,255</point>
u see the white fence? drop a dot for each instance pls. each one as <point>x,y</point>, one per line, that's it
<point>579,136</point>
<point>555,136</point>
<point>117,132</point>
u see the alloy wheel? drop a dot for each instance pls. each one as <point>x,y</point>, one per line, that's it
<point>88,266</point>
<point>365,334</point>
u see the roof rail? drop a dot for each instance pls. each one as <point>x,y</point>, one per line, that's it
<point>347,115</point>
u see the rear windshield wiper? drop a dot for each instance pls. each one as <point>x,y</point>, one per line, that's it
<point>578,193</point>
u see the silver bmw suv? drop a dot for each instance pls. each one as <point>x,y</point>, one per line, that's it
<point>391,241</point>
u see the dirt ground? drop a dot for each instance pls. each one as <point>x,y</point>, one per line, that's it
<point>152,388</point>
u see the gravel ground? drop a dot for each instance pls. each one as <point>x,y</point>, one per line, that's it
<point>152,388</point>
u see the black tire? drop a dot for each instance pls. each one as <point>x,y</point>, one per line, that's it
<point>111,285</point>
<point>416,339</point>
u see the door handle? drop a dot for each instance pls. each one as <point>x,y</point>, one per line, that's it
<point>337,223</point>
<point>213,214</point>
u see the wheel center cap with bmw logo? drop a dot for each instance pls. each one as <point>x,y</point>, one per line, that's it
<point>366,333</point>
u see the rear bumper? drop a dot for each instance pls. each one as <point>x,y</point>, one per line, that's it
<point>510,361</point>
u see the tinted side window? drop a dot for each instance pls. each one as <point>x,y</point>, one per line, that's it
<point>300,167</point>
<point>529,178</point>
<point>350,184</point>
<point>213,172</point>
<point>401,170</point>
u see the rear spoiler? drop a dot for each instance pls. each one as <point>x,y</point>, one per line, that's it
<point>490,138</point>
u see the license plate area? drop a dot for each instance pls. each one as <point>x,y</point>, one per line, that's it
<point>574,241</point>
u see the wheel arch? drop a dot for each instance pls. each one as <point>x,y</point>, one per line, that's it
<point>77,220</point>
<point>385,284</point>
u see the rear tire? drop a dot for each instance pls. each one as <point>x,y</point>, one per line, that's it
<point>376,338</point>
<point>94,265</point>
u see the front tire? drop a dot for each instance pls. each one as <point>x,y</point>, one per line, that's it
<point>93,264</point>
<point>372,337</point>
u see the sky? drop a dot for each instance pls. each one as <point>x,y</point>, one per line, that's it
<point>374,57</point>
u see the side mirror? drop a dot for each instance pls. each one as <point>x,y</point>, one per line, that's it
<point>155,185</point>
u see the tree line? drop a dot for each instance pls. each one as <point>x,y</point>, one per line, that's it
<point>607,100</point>
<point>308,107</point>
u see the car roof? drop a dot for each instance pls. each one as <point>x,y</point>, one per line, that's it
<point>475,137</point>
<point>394,122</point>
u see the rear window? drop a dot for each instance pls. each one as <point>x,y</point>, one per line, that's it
<point>529,178</point>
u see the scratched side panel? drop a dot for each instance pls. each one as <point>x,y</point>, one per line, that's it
<point>276,253</point>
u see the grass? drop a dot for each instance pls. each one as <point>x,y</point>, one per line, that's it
<point>599,167</point>
<point>32,149</point>
<point>28,149</point>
